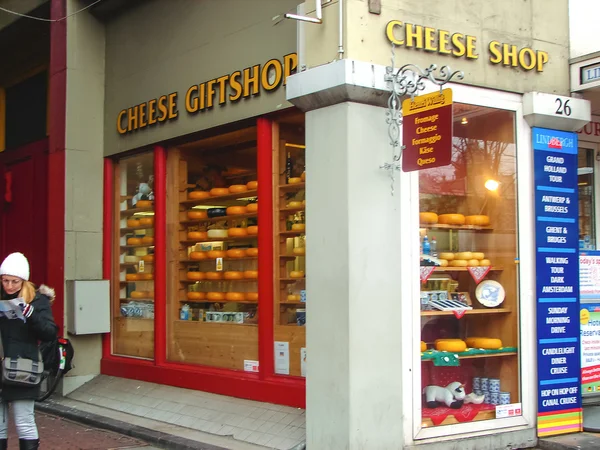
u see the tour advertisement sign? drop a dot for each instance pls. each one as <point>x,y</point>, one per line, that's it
<point>590,348</point>
<point>557,287</point>
<point>427,131</point>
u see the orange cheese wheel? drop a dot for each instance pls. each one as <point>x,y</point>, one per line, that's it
<point>236,253</point>
<point>236,210</point>
<point>145,276</point>
<point>463,255</point>
<point>214,254</point>
<point>296,274</point>
<point>215,296</point>
<point>299,251</point>
<point>235,296</point>
<point>251,296</point>
<point>485,343</point>
<point>198,195</point>
<point>143,204</point>
<point>237,188</point>
<point>303,176</point>
<point>195,276</point>
<point>252,230</point>
<point>131,277</point>
<point>198,255</point>
<point>196,295</point>
<point>252,252</point>
<point>473,262</point>
<point>215,192</point>
<point>423,346</point>
<point>214,275</point>
<point>450,345</point>
<point>485,262</point>
<point>134,241</point>
<point>428,217</point>
<point>233,275</point>
<point>482,221</point>
<point>252,207</point>
<point>251,274</point>
<point>148,258</point>
<point>478,255</point>
<point>147,221</point>
<point>458,263</point>
<point>140,294</point>
<point>197,235</point>
<point>294,204</point>
<point>295,180</point>
<point>195,214</point>
<point>443,262</point>
<point>148,240</point>
<point>298,227</point>
<point>252,185</point>
<point>235,232</point>
<point>452,219</point>
<point>293,298</point>
<point>133,223</point>
<point>446,255</point>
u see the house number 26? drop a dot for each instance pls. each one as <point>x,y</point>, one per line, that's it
<point>563,109</point>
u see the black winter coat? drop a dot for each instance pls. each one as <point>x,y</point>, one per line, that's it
<point>21,339</point>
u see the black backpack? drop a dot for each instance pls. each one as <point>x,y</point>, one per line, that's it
<point>50,356</point>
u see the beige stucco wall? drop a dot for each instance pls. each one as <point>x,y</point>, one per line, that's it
<point>163,47</point>
<point>539,24</point>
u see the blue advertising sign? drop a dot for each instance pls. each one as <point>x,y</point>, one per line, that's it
<point>557,268</point>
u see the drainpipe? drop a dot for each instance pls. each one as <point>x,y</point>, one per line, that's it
<point>341,31</point>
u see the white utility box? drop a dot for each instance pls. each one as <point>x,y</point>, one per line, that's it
<point>88,306</point>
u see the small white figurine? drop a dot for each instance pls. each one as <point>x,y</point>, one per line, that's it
<point>475,399</point>
<point>452,395</point>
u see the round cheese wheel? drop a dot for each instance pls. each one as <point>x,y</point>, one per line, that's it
<point>428,217</point>
<point>423,346</point>
<point>147,221</point>
<point>296,274</point>
<point>252,185</point>
<point>252,207</point>
<point>146,276</point>
<point>447,256</point>
<point>252,252</point>
<point>196,214</point>
<point>197,235</point>
<point>217,233</point>
<point>478,255</point>
<point>485,262</point>
<point>458,263</point>
<point>237,188</point>
<point>443,262</point>
<point>292,297</point>
<point>251,274</point>
<point>295,180</point>
<point>215,192</point>
<point>294,204</point>
<point>214,275</point>
<point>215,296</point>
<point>131,277</point>
<point>143,204</point>
<point>473,262</point>
<point>235,232</point>
<point>198,195</point>
<point>214,254</point>
<point>235,210</point>
<point>236,253</point>
<point>139,294</point>
<point>134,241</point>
<point>299,251</point>
<point>252,230</point>
<point>485,343</point>
<point>132,259</point>
<point>196,295</point>
<point>148,240</point>
<point>198,255</point>
<point>233,275</point>
<point>463,255</point>
<point>148,258</point>
<point>251,296</point>
<point>298,227</point>
<point>303,176</point>
<point>451,219</point>
<point>235,296</point>
<point>482,221</point>
<point>133,223</point>
<point>450,345</point>
<point>195,276</point>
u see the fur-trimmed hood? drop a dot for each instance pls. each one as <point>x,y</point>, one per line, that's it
<point>47,291</point>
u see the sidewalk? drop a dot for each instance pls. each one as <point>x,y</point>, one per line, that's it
<point>577,441</point>
<point>177,418</point>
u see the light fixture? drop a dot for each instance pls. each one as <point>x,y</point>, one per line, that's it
<point>491,185</point>
<point>464,121</point>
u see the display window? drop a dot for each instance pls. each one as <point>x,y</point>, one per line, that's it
<point>469,296</point>
<point>585,181</point>
<point>133,289</point>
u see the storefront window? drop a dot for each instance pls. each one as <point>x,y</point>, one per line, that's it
<point>585,180</point>
<point>133,310</point>
<point>469,291</point>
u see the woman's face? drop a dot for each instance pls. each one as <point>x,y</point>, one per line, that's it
<point>11,284</point>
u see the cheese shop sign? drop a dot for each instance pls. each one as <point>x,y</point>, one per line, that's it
<point>228,88</point>
<point>463,46</point>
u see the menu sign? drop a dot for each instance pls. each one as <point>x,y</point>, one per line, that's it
<point>557,287</point>
<point>427,131</point>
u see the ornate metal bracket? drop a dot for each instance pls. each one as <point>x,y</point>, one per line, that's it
<point>407,80</point>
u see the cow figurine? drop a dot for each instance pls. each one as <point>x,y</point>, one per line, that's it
<point>452,395</point>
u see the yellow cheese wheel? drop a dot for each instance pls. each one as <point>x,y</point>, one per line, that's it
<point>485,262</point>
<point>423,346</point>
<point>428,217</point>
<point>214,275</point>
<point>251,274</point>
<point>473,262</point>
<point>303,176</point>
<point>294,204</point>
<point>252,230</point>
<point>296,274</point>
<point>447,256</point>
<point>131,277</point>
<point>132,259</point>
<point>299,251</point>
<point>252,207</point>
<point>215,192</point>
<point>485,343</point>
<point>195,276</point>
<point>196,295</point>
<point>214,254</point>
<point>482,221</point>
<point>451,219</point>
<point>147,221</point>
<point>478,255</point>
<point>197,235</point>
<point>236,210</point>
<point>134,241</point>
<point>145,276</point>
<point>298,227</point>
<point>198,255</point>
<point>235,296</point>
<point>252,185</point>
<point>133,223</point>
<point>140,294</point>
<point>148,240</point>
<point>295,180</point>
<point>235,232</point>
<point>148,258</point>
<point>450,345</point>
<point>197,214</point>
<point>252,252</point>
<point>143,204</point>
<point>293,298</point>
<point>236,253</point>
<point>215,296</point>
<point>463,255</point>
<point>216,233</point>
<point>198,195</point>
<point>458,263</point>
<point>237,188</point>
<point>233,275</point>
<point>251,296</point>
<point>443,262</point>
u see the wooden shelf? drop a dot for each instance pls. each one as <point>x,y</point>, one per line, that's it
<point>136,281</point>
<point>292,303</point>
<point>292,187</point>
<point>140,319</point>
<point>464,269</point>
<point>291,210</point>
<point>291,233</point>
<point>220,218</point>
<point>467,312</point>
<point>291,280</point>
<point>242,280</point>
<point>220,198</point>
<point>290,257</point>
<point>137,300</point>
<point>443,226</point>
<point>491,355</point>
<point>208,324</point>
<point>130,212</point>
<point>226,239</point>
<point>134,264</point>
<point>127,230</point>
<point>126,247</point>
<point>196,261</point>
<point>220,301</point>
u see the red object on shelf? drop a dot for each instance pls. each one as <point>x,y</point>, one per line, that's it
<point>464,414</point>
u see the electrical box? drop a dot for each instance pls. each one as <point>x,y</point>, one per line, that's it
<point>88,306</point>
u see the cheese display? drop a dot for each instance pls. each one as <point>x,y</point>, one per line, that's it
<point>251,296</point>
<point>478,255</point>
<point>198,195</point>
<point>294,204</point>
<point>131,277</point>
<point>217,233</point>
<point>197,214</point>
<point>451,219</point>
<point>237,232</point>
<point>236,253</point>
<point>233,275</point>
<point>252,230</point>
<point>447,256</point>
<point>463,255</point>
<point>214,254</point>
<point>146,221</point>
<point>195,276</point>
<point>236,210</point>
<point>140,294</point>
<point>148,258</point>
<point>143,204</point>
<point>482,221</point>
<point>237,188</point>
<point>483,342</point>
<point>443,262</point>
<point>295,180</point>
<point>473,263</point>
<point>235,296</point>
<point>423,346</point>
<point>132,259</point>
<point>133,223</point>
<point>252,252</point>
<point>450,345</point>
<point>458,263</point>
<point>134,241</point>
<point>216,192</point>
<point>198,256</point>
<point>197,235</point>
<point>485,262</point>
<point>297,274</point>
<point>196,295</point>
<point>214,275</point>
<point>252,185</point>
<point>148,240</point>
<point>298,227</point>
<point>428,217</point>
<point>215,296</point>
<point>299,251</point>
<point>251,274</point>
<point>252,207</point>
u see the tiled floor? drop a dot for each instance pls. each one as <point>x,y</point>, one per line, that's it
<point>265,424</point>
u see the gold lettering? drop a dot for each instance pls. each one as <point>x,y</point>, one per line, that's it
<point>542,58</point>
<point>143,122</point>
<point>236,86</point>
<point>191,104</point>
<point>430,39</point>
<point>471,46</point>
<point>415,34</point>
<point>132,120</point>
<point>162,108</point>
<point>494,49</point>
<point>120,117</point>
<point>210,93</point>
<point>510,55</point>
<point>444,41</point>
<point>172,105</point>
<point>151,112</point>
<point>248,80</point>
<point>275,64</point>
<point>222,90</point>
<point>523,58</point>
<point>389,32</point>
<point>459,45</point>
<point>290,64</point>
<point>202,96</point>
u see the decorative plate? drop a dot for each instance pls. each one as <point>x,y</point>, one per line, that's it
<point>490,293</point>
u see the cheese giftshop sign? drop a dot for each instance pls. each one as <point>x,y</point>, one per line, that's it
<point>462,45</point>
<point>228,88</point>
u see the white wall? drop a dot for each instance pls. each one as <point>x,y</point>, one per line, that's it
<point>583,25</point>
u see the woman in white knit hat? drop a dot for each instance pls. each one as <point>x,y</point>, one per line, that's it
<point>20,339</point>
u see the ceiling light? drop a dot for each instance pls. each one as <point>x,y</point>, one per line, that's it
<point>464,121</point>
<point>491,185</point>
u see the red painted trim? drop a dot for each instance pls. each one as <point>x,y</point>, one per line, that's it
<point>107,236</point>
<point>160,255</point>
<point>56,158</point>
<point>264,131</point>
<point>285,391</point>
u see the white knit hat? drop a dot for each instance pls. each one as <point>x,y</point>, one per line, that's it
<point>15,265</point>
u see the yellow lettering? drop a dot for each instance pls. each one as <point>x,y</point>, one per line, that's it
<point>210,93</point>
<point>120,117</point>
<point>236,86</point>
<point>389,32</point>
<point>151,112</point>
<point>251,80</point>
<point>202,96</point>
<point>415,34</point>
<point>444,41</point>
<point>430,40</point>
<point>471,46</point>
<point>510,55</point>
<point>459,45</point>
<point>290,64</point>
<point>494,49</point>
<point>132,120</point>
<point>143,122</point>
<point>191,104</point>
<point>523,60</point>
<point>222,91</point>
<point>172,105</point>
<point>542,58</point>
<point>162,108</point>
<point>275,65</point>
